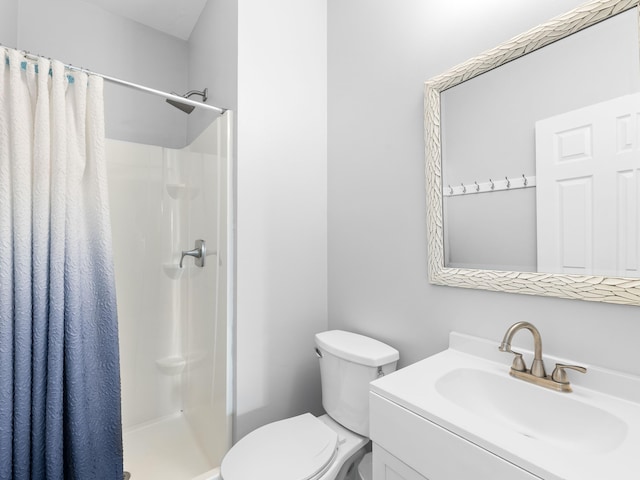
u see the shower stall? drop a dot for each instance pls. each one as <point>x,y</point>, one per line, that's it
<point>174,321</point>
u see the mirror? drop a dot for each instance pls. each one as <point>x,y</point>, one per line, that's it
<point>508,137</point>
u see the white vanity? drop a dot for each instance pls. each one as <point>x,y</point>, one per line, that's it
<point>459,415</point>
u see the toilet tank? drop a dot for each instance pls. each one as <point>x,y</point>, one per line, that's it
<point>348,363</point>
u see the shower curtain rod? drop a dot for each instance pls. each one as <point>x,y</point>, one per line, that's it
<point>135,86</point>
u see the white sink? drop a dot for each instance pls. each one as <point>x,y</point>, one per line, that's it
<point>592,433</point>
<point>535,412</point>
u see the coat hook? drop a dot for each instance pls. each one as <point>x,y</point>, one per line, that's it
<point>477,186</point>
<point>525,180</point>
<point>508,182</point>
<point>464,189</point>
<point>450,190</point>
<point>492,185</point>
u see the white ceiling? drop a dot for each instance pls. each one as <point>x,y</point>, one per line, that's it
<point>175,17</point>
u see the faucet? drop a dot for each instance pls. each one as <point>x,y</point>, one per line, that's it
<point>537,375</point>
<point>537,368</point>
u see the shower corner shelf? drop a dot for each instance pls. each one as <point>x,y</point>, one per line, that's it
<point>181,191</point>
<point>171,365</point>
<point>172,270</point>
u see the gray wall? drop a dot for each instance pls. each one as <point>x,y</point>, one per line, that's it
<point>84,35</point>
<point>282,208</point>
<point>213,61</point>
<point>380,53</point>
<point>9,22</point>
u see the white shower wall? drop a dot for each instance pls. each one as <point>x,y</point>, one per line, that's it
<point>173,321</point>
<point>148,299</point>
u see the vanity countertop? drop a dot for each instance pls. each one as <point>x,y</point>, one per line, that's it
<point>591,433</point>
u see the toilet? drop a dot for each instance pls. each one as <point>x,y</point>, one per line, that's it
<point>329,447</point>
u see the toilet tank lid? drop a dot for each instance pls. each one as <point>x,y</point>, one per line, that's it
<point>356,348</point>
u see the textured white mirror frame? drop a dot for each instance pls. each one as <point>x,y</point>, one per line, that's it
<point>593,288</point>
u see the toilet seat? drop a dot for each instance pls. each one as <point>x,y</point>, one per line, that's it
<point>297,448</point>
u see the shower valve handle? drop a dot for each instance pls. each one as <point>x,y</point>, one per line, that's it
<point>199,253</point>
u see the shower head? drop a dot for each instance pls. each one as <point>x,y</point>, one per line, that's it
<point>183,106</point>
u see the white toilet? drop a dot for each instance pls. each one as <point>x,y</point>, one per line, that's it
<point>329,447</point>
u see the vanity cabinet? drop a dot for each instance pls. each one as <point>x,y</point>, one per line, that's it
<point>407,446</point>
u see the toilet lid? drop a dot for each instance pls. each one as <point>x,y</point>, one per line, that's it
<point>297,448</point>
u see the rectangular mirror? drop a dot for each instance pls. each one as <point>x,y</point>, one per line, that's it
<point>533,161</point>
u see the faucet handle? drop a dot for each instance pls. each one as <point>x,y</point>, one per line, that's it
<point>518,363</point>
<point>199,253</point>
<point>559,375</point>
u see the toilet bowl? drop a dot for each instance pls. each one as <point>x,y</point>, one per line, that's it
<point>329,447</point>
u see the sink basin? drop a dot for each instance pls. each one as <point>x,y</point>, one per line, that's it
<point>552,417</point>
<point>592,433</point>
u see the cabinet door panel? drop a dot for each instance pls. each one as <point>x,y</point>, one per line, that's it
<point>388,467</point>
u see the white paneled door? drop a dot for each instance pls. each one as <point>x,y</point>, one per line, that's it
<point>587,169</point>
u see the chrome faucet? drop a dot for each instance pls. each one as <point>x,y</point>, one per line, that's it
<point>556,381</point>
<point>537,367</point>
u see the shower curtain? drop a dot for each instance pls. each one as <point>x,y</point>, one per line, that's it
<point>59,365</point>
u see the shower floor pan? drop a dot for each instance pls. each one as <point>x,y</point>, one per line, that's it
<point>165,450</point>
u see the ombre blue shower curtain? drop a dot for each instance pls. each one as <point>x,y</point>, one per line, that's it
<point>59,365</point>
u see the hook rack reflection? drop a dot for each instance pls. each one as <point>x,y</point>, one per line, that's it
<point>512,183</point>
